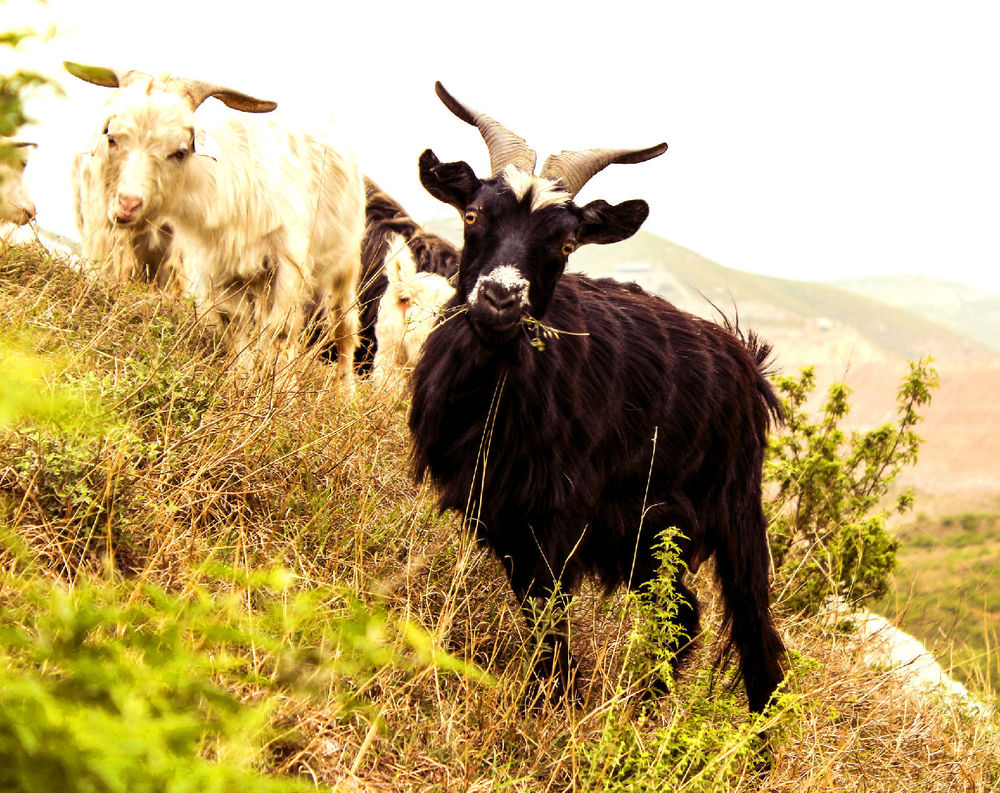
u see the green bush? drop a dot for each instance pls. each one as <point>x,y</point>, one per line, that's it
<point>129,688</point>
<point>709,740</point>
<point>13,90</point>
<point>828,512</point>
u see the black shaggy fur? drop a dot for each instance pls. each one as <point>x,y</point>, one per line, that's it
<point>570,459</point>
<point>433,254</point>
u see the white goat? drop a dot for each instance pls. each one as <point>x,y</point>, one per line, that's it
<point>269,220</point>
<point>407,312</point>
<point>117,252</point>
<point>16,205</point>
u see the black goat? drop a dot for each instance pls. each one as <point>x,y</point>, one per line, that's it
<point>571,456</point>
<point>384,217</point>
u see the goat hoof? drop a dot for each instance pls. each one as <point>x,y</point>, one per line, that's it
<point>546,691</point>
<point>658,687</point>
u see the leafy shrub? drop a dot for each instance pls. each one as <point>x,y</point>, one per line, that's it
<point>709,738</point>
<point>131,689</point>
<point>14,88</point>
<point>828,534</point>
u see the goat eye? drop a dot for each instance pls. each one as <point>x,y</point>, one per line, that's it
<point>179,155</point>
<point>112,143</point>
<point>568,248</point>
<point>405,301</point>
<point>470,217</point>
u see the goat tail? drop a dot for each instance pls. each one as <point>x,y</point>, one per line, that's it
<point>761,351</point>
<point>742,569</point>
<point>762,356</point>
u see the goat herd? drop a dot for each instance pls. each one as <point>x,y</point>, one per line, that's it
<point>571,421</point>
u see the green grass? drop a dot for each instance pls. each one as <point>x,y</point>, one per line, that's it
<point>947,592</point>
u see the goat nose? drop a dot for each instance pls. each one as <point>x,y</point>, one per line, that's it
<point>128,208</point>
<point>129,204</point>
<point>499,297</point>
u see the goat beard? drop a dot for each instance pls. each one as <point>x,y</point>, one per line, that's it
<point>492,334</point>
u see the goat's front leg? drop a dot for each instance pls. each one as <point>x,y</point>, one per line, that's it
<point>282,317</point>
<point>545,605</point>
<point>345,324</point>
<point>547,616</point>
<point>229,309</point>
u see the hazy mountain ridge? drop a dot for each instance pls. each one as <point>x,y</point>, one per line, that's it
<point>965,309</point>
<point>780,308</point>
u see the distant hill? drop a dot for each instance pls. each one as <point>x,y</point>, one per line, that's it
<point>801,318</point>
<point>962,308</point>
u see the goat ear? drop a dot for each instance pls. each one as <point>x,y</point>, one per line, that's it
<point>603,223</point>
<point>98,75</point>
<point>406,267</point>
<point>452,182</point>
<point>393,270</point>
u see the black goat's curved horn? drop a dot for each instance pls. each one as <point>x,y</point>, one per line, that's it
<point>505,147</point>
<point>573,169</point>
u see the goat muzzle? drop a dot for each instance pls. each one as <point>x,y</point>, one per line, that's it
<point>129,208</point>
<point>27,215</point>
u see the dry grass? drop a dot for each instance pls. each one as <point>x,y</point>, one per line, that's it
<point>200,466</point>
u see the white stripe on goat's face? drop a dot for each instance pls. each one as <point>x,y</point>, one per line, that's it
<point>544,192</point>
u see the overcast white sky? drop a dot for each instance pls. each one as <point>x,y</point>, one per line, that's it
<point>807,140</point>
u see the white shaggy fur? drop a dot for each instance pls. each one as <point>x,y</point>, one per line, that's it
<point>407,313</point>
<point>117,253</point>
<point>270,231</point>
<point>544,192</point>
<point>16,205</point>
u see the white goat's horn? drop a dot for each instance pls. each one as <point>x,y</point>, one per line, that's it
<point>197,92</point>
<point>98,75</point>
<point>101,75</point>
<point>505,147</point>
<point>573,169</point>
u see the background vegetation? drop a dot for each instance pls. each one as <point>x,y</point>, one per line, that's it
<point>947,592</point>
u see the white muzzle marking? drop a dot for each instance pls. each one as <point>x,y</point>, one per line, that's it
<point>507,277</point>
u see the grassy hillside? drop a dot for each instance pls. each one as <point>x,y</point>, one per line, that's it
<point>209,583</point>
<point>948,591</point>
<point>971,312</point>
